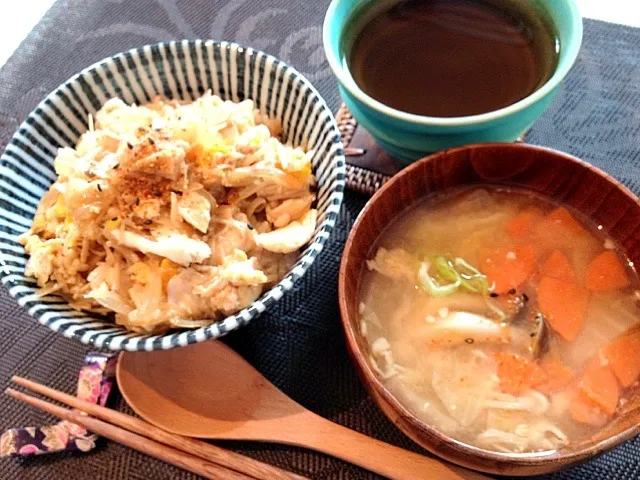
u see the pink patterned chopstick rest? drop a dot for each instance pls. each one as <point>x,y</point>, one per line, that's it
<point>95,382</point>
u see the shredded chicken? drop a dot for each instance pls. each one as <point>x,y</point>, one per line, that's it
<point>177,248</point>
<point>290,238</point>
<point>195,209</point>
<point>172,214</point>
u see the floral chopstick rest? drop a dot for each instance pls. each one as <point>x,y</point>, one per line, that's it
<point>95,382</point>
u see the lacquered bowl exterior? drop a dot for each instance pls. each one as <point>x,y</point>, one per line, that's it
<point>556,175</point>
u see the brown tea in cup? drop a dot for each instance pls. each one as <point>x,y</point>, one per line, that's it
<point>453,58</point>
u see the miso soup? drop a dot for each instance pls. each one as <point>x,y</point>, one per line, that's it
<point>502,319</point>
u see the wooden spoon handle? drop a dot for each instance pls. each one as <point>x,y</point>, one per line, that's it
<point>376,456</point>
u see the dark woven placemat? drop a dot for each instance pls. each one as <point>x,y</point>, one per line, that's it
<point>299,346</point>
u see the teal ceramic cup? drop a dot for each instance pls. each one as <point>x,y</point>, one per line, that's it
<point>409,137</point>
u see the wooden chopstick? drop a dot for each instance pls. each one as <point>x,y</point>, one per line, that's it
<point>200,449</point>
<point>137,442</point>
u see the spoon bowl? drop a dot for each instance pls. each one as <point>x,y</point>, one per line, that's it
<point>207,390</point>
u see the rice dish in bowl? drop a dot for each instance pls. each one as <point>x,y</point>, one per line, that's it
<point>172,212</point>
<point>193,198</point>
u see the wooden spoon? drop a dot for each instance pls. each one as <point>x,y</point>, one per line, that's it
<point>207,390</point>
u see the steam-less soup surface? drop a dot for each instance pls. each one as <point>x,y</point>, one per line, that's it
<point>503,320</point>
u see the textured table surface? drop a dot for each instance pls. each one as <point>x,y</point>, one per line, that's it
<point>299,346</point>
<point>16,23</point>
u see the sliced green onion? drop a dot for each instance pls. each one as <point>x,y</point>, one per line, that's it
<point>472,279</point>
<point>471,287</point>
<point>446,269</point>
<point>461,262</point>
<point>431,286</point>
<point>457,272</point>
<point>476,285</point>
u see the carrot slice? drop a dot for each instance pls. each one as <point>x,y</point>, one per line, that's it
<point>507,267</point>
<point>558,266</point>
<point>623,355</point>
<point>564,304</point>
<point>522,224</point>
<point>584,410</point>
<point>517,374</point>
<point>558,376</point>
<point>599,383</point>
<point>561,216</point>
<point>606,273</point>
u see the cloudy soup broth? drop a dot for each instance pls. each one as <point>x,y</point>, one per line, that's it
<point>503,320</point>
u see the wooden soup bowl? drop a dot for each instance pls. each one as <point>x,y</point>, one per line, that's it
<point>556,175</point>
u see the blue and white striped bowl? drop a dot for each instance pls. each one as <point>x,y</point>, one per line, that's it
<point>182,70</point>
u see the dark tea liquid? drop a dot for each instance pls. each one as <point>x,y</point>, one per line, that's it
<point>451,58</point>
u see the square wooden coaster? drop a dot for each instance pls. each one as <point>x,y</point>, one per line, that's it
<point>368,166</point>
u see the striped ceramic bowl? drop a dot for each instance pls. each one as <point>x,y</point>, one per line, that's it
<point>182,70</point>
